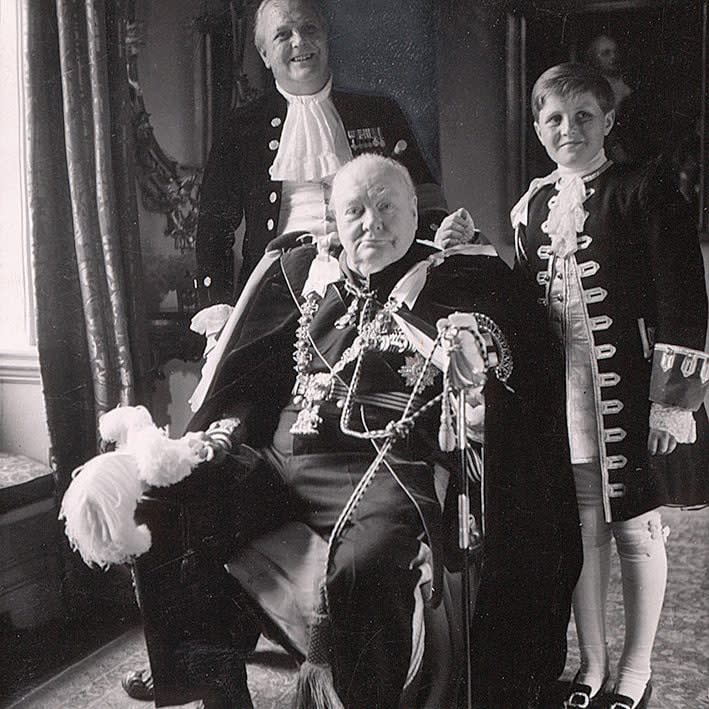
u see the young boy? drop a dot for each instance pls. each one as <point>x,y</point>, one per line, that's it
<point>615,255</point>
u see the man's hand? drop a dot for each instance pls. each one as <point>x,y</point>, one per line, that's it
<point>457,228</point>
<point>660,442</point>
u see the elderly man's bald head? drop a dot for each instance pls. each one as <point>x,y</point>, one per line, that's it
<point>374,202</point>
<point>368,162</point>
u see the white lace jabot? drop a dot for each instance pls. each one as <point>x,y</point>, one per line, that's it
<point>566,211</point>
<point>313,143</point>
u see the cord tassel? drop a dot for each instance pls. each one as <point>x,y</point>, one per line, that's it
<point>316,686</point>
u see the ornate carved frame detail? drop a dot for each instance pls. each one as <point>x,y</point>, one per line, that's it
<point>167,186</point>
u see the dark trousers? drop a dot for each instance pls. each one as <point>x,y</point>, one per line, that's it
<point>370,584</point>
<point>369,581</point>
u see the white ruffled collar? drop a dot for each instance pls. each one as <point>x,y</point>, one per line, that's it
<point>313,144</point>
<point>566,212</point>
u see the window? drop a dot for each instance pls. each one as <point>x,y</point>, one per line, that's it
<point>17,330</point>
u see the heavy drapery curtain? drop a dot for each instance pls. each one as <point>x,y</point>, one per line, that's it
<point>91,332</point>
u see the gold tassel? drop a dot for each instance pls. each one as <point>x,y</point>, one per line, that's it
<point>446,434</point>
<point>316,686</point>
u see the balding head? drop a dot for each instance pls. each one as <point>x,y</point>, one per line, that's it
<point>374,202</point>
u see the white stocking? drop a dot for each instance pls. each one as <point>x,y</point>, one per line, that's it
<point>589,599</point>
<point>643,564</point>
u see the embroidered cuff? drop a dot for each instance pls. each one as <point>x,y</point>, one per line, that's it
<point>680,376</point>
<point>679,422</point>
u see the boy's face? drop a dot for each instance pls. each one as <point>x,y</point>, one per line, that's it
<point>572,128</point>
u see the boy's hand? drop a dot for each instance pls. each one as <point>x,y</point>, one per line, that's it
<point>457,228</point>
<point>660,442</point>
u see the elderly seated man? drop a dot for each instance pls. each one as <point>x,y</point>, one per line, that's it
<point>346,442</point>
<point>273,163</point>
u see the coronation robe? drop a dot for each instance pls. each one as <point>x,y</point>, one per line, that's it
<point>531,556</point>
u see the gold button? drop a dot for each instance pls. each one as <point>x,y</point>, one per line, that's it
<point>273,145</point>
<point>270,225</point>
<point>272,197</point>
<point>275,122</point>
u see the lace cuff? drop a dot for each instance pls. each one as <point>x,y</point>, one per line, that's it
<point>678,422</point>
<point>210,322</point>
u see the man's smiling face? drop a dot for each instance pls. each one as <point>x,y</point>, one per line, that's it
<point>293,45</point>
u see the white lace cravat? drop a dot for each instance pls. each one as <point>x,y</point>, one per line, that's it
<point>567,215</point>
<point>313,143</point>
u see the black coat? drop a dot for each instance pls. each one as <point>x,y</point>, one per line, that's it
<point>642,273</point>
<point>237,185</point>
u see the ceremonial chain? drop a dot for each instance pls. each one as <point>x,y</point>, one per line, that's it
<point>501,359</point>
<point>394,429</point>
<point>378,334</point>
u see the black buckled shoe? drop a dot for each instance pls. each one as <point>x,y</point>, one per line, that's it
<point>138,684</point>
<point>580,697</point>
<point>620,701</point>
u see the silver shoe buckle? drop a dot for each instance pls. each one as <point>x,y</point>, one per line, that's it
<point>580,700</point>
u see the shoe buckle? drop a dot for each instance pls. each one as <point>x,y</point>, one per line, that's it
<point>580,700</point>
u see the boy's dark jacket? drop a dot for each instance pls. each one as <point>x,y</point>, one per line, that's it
<point>644,272</point>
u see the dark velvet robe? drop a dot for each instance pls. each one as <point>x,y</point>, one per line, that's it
<point>531,556</point>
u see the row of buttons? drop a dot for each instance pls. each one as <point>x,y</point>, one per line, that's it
<point>273,145</point>
<point>606,351</point>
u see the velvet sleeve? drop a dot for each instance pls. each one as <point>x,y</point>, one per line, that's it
<point>680,369</point>
<point>220,213</point>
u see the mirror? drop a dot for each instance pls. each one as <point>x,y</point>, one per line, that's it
<point>186,71</point>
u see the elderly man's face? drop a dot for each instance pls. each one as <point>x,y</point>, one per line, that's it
<point>294,46</point>
<point>376,217</point>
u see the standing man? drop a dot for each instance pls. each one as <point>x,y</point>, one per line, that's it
<point>274,163</point>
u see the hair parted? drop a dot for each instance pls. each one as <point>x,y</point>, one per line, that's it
<point>571,79</point>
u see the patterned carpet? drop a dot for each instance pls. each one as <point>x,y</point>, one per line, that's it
<point>681,661</point>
